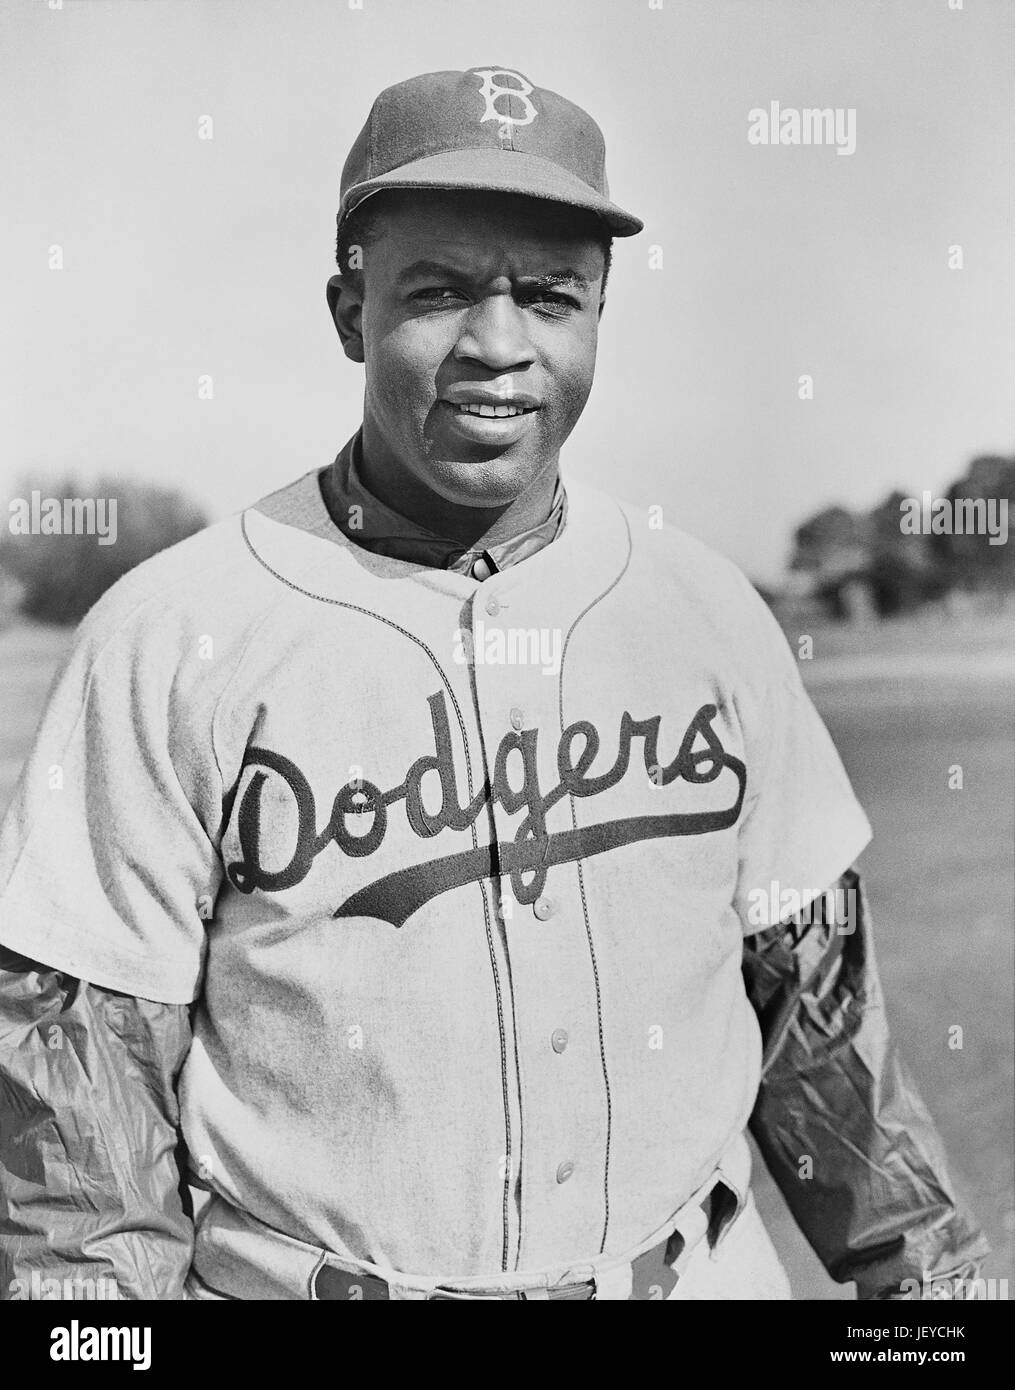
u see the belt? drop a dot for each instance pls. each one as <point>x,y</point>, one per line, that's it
<point>654,1273</point>
<point>238,1256</point>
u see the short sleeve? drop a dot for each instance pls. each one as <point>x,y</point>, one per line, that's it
<point>802,826</point>
<point>107,867</point>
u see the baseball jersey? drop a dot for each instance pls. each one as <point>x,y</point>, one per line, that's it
<point>455,873</point>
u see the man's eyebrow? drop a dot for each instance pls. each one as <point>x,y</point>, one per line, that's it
<point>439,269</point>
<point>569,278</point>
<point>421,268</point>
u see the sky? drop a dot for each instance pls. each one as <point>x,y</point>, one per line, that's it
<point>185,258</point>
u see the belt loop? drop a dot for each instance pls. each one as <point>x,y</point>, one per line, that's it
<point>312,1281</point>
<point>615,1283</point>
<point>693,1228</point>
<point>735,1181</point>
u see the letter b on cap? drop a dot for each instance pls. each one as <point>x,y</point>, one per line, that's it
<point>491,90</point>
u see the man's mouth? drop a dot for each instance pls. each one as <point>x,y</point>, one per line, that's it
<point>500,399</point>
<point>490,414</point>
<point>491,411</point>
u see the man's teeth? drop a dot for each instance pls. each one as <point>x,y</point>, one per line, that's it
<point>491,410</point>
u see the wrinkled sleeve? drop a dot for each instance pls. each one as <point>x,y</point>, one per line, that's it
<point>90,1184</point>
<point>108,863</point>
<point>875,1200</point>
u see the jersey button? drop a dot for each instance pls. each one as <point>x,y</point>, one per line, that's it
<point>564,1171</point>
<point>517,718</point>
<point>543,908</point>
<point>492,606</point>
<point>558,1039</point>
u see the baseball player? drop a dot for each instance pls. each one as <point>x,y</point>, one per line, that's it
<point>382,902</point>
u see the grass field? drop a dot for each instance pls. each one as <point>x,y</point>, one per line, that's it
<point>904,703</point>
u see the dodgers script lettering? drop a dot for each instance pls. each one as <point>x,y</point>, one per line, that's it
<point>527,858</point>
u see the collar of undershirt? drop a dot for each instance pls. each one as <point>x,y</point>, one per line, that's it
<point>370,523</point>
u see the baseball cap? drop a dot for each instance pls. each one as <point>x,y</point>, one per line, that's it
<point>487,128</point>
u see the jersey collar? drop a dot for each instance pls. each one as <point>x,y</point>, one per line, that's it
<point>291,534</point>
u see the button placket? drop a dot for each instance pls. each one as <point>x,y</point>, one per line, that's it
<point>560,1097</point>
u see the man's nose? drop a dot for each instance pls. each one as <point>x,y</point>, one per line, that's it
<point>494,332</point>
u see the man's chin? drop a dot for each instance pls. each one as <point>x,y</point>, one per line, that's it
<point>488,481</point>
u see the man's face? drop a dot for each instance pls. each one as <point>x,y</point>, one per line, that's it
<point>475,303</point>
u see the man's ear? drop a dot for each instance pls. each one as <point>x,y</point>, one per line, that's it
<point>346,305</point>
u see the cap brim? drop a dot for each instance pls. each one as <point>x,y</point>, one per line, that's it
<point>497,171</point>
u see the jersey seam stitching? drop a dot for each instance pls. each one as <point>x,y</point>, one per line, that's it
<point>581,887</point>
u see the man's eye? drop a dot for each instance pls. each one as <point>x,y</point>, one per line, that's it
<point>438,294</point>
<point>552,301</point>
